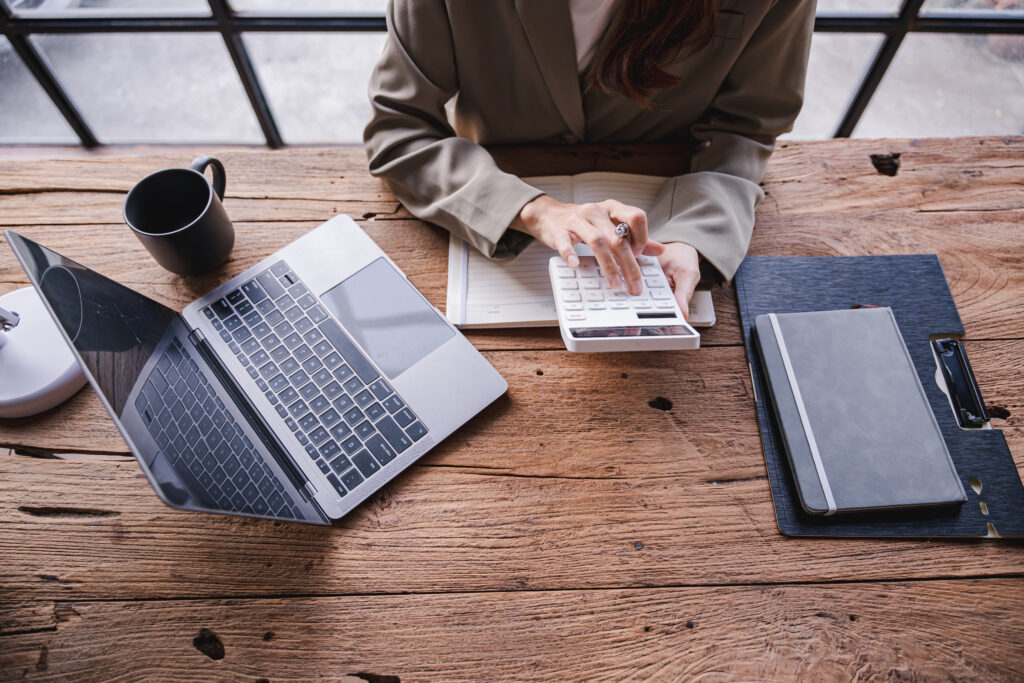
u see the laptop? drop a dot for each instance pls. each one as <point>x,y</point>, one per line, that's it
<point>291,392</point>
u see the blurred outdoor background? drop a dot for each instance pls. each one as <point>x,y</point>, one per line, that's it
<point>182,87</point>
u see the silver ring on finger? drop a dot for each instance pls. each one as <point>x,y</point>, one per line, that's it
<point>622,230</point>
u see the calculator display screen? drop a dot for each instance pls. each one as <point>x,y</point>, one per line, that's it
<point>633,331</point>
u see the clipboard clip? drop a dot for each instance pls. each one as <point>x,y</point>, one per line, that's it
<point>960,382</point>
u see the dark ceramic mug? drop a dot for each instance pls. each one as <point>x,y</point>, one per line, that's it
<point>179,218</point>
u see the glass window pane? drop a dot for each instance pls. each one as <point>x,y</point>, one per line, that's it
<point>91,8</point>
<point>944,85</point>
<point>26,113</point>
<point>837,65</point>
<point>980,7</point>
<point>309,6</point>
<point>316,82</point>
<point>154,87</point>
<point>860,6</point>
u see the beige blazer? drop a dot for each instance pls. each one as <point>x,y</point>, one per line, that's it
<point>457,74</point>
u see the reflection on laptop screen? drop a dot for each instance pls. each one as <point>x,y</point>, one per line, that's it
<point>114,329</point>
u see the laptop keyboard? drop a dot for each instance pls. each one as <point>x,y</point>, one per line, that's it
<point>347,417</point>
<point>203,443</point>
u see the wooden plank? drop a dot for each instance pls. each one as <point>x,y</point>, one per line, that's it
<point>909,631</point>
<point>580,399</point>
<point>84,530</point>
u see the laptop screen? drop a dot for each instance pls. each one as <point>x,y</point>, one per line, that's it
<point>114,329</point>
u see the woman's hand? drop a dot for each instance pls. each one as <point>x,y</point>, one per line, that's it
<point>681,264</point>
<point>559,226</point>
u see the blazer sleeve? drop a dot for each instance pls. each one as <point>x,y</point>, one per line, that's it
<point>441,178</point>
<point>712,207</point>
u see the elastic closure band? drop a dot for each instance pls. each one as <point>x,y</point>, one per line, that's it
<point>818,465</point>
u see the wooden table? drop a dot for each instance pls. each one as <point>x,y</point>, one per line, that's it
<point>577,528</point>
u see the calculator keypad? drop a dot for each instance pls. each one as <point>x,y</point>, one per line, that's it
<point>584,291</point>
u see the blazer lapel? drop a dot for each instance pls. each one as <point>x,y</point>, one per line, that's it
<point>548,27</point>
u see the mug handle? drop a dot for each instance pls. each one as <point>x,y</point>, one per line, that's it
<point>219,180</point>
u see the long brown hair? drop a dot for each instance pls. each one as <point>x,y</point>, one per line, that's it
<point>645,34</point>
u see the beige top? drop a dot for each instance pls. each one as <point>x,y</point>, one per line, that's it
<point>506,71</point>
<point>590,19</point>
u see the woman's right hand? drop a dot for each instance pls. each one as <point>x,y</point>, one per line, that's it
<point>559,226</point>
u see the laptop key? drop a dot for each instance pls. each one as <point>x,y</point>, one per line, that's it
<point>324,467</point>
<point>232,323</point>
<point>404,417</point>
<point>221,308</point>
<point>246,310</point>
<point>306,301</point>
<point>319,404</point>
<point>336,484</point>
<point>374,411</point>
<point>363,398</point>
<point>313,337</point>
<point>298,408</point>
<point>309,422</point>
<point>353,385</point>
<point>365,430</point>
<point>323,348</point>
<point>236,297</point>
<point>332,390</point>
<point>394,434</point>
<point>279,268</point>
<point>416,431</point>
<point>259,356</point>
<point>251,346</point>
<point>254,291</point>
<point>289,365</point>
<point>309,391</point>
<point>342,373</point>
<point>292,340</point>
<point>291,424</point>
<point>353,416</point>
<point>274,318</point>
<point>393,403</point>
<point>330,449</point>
<point>351,445</point>
<point>380,389</point>
<point>303,352</point>
<point>380,449</point>
<point>303,325</point>
<point>261,330</point>
<point>312,451</point>
<point>330,417</point>
<point>317,314</point>
<point>266,306</point>
<point>278,382</point>
<point>288,396</point>
<point>341,463</point>
<point>352,479</point>
<point>312,364</point>
<point>298,378</point>
<point>343,403</point>
<point>270,284</point>
<point>322,377</point>
<point>366,464</point>
<point>319,435</point>
<point>293,314</point>
<point>271,342</point>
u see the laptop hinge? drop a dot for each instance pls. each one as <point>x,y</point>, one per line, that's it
<point>298,479</point>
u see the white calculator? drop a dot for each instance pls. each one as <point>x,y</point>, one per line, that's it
<point>594,317</point>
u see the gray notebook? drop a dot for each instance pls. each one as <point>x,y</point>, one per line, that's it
<point>854,419</point>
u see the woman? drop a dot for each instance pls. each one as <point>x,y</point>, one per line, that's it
<point>726,75</point>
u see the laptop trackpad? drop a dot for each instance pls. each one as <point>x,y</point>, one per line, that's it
<point>387,317</point>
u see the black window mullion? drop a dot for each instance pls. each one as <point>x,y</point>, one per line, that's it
<point>879,66</point>
<point>224,15</point>
<point>44,75</point>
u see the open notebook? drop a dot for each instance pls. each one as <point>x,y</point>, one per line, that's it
<point>517,293</point>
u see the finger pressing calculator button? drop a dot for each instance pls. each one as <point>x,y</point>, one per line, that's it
<point>567,284</point>
<point>571,296</point>
<point>661,293</point>
<point>616,295</point>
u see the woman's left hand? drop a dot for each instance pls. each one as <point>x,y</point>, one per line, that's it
<point>681,264</point>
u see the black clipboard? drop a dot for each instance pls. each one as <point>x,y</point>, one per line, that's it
<point>915,288</point>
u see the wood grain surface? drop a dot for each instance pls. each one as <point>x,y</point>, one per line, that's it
<point>609,518</point>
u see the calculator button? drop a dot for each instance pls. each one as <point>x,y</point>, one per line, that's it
<point>663,304</point>
<point>565,271</point>
<point>647,260</point>
<point>661,293</point>
<point>587,270</point>
<point>616,295</point>
<point>619,305</point>
<point>573,306</point>
<point>592,284</point>
<point>653,282</point>
<point>571,296</point>
<point>650,270</point>
<point>567,284</point>
<point>596,305</point>
<point>575,316</point>
<point>641,304</point>
<point>593,296</point>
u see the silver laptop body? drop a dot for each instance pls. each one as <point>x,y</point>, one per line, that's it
<point>293,391</point>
